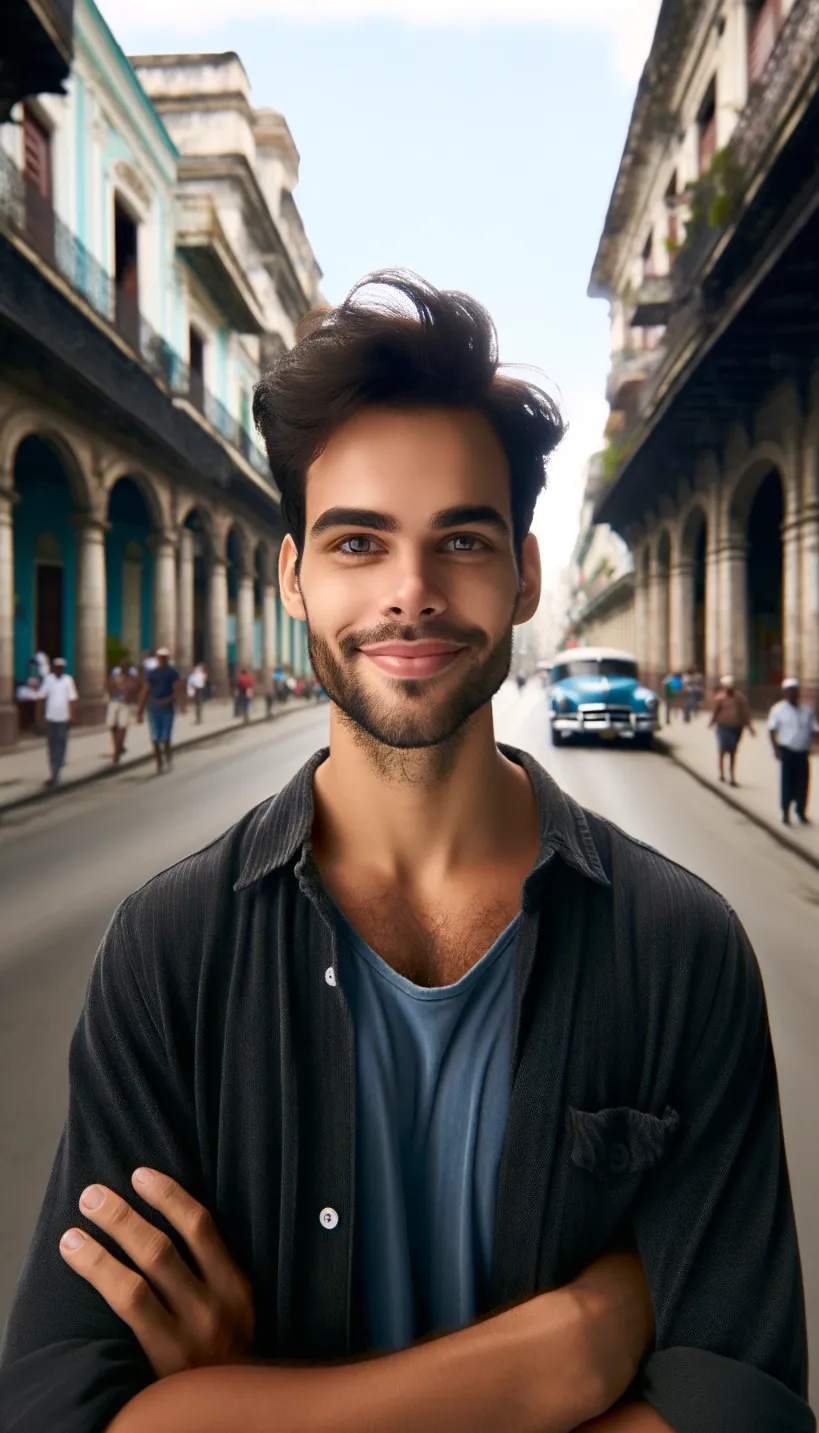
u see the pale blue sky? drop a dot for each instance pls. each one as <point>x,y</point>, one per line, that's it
<point>482,157</point>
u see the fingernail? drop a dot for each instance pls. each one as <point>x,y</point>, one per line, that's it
<point>92,1197</point>
<point>143,1176</point>
<point>72,1239</point>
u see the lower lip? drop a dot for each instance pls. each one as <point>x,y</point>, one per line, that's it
<point>428,666</point>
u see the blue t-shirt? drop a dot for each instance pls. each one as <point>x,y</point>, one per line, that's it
<point>433,1077</point>
<point>161,681</point>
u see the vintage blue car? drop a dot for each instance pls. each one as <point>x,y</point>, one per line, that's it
<point>596,691</point>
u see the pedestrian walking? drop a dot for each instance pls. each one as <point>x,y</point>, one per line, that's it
<point>410,1048</point>
<point>120,708</point>
<point>693,691</point>
<point>791,727</point>
<point>55,700</point>
<point>162,689</point>
<point>245,687</point>
<point>197,689</point>
<point>672,686</point>
<point>731,715</point>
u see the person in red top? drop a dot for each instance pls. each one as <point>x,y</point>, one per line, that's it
<point>245,685</point>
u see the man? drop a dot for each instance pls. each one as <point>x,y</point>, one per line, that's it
<point>56,699</point>
<point>120,708</point>
<point>245,686</point>
<point>392,1107</point>
<point>693,685</point>
<point>791,726</point>
<point>162,688</point>
<point>197,686</point>
<point>730,714</point>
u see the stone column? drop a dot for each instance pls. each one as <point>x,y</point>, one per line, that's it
<point>8,708</point>
<point>244,624</point>
<point>641,623</point>
<point>659,622</point>
<point>681,615</point>
<point>286,655</point>
<point>90,657</point>
<point>733,605</point>
<point>164,592</point>
<point>217,627</point>
<point>269,653</point>
<point>810,601</point>
<point>791,592</point>
<point>184,601</point>
<point>712,603</point>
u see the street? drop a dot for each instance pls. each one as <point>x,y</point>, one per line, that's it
<point>65,866</point>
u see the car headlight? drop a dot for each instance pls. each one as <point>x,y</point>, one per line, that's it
<point>564,704</point>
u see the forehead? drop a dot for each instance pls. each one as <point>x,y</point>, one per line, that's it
<point>409,463</point>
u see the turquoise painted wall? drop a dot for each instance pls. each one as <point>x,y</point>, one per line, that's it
<point>46,506</point>
<point>222,366</point>
<point>115,543</point>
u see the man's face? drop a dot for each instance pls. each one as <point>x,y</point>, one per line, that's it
<point>408,579</point>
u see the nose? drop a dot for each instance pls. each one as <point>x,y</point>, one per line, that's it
<point>412,591</point>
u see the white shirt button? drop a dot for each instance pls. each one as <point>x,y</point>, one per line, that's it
<point>328,1218</point>
<point>330,976</point>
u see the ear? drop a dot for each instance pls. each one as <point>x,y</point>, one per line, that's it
<point>289,589</point>
<point>530,579</point>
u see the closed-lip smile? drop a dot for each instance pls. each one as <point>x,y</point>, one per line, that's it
<point>423,658</point>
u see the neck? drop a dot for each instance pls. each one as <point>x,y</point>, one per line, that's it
<point>419,816</point>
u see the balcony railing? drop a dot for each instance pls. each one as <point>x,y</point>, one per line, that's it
<point>29,214</point>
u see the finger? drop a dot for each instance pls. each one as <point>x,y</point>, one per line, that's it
<point>194,1222</point>
<point>152,1251</point>
<point>126,1292</point>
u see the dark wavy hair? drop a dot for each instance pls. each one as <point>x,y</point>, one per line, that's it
<point>406,345</point>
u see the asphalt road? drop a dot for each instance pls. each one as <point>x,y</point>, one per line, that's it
<point>65,866</point>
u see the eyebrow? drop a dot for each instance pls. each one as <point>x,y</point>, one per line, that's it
<point>462,516</point>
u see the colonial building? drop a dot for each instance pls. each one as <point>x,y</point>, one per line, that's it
<point>36,47</point>
<point>151,260</point>
<point>710,262</point>
<point>601,603</point>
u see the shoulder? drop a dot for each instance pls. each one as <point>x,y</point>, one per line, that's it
<point>654,893</point>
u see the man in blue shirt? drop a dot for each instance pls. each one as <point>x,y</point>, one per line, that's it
<point>162,688</point>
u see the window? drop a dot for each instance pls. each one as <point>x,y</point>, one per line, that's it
<point>648,256</point>
<point>707,128</point>
<point>196,364</point>
<point>595,667</point>
<point>764,24</point>
<point>37,178</point>
<point>126,274</point>
<point>673,231</point>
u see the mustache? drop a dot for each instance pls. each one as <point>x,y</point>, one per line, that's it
<point>411,632</point>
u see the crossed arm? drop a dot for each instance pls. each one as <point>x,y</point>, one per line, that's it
<point>545,1366</point>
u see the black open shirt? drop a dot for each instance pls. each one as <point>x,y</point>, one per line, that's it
<point>212,1046</point>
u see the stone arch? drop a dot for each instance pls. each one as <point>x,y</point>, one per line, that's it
<point>195,554</point>
<point>31,424</point>
<point>694,595</point>
<point>757,508</point>
<point>134,517</point>
<point>156,503</point>
<point>663,558</point>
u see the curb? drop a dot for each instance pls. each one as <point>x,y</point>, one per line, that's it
<point>35,798</point>
<point>724,793</point>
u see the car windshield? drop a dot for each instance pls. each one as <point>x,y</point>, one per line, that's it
<point>592,667</point>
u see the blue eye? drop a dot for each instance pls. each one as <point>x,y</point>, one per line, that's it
<point>355,552</point>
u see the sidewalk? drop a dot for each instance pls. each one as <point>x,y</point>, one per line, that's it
<point>24,770</point>
<point>694,747</point>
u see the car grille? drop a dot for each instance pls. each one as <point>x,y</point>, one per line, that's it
<point>605,717</point>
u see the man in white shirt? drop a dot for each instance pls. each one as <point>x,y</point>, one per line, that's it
<point>791,725</point>
<point>57,696</point>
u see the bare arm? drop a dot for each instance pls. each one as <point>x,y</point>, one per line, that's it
<point>632,1418</point>
<point>145,692</point>
<point>544,1366</point>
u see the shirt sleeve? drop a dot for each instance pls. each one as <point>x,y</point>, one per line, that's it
<point>716,1232</point>
<point>68,1362</point>
<point>72,690</point>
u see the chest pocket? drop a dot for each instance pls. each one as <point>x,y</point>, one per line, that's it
<point>616,1144</point>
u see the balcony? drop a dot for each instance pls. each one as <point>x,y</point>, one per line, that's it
<point>25,212</point>
<point>37,45</point>
<point>202,240</point>
<point>653,302</point>
<point>629,370</point>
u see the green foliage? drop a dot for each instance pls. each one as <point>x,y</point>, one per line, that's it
<point>615,454</point>
<point>116,653</point>
<point>717,195</point>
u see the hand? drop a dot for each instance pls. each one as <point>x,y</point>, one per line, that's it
<point>203,1321</point>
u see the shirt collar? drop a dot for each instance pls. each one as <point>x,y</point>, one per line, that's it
<point>280,828</point>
